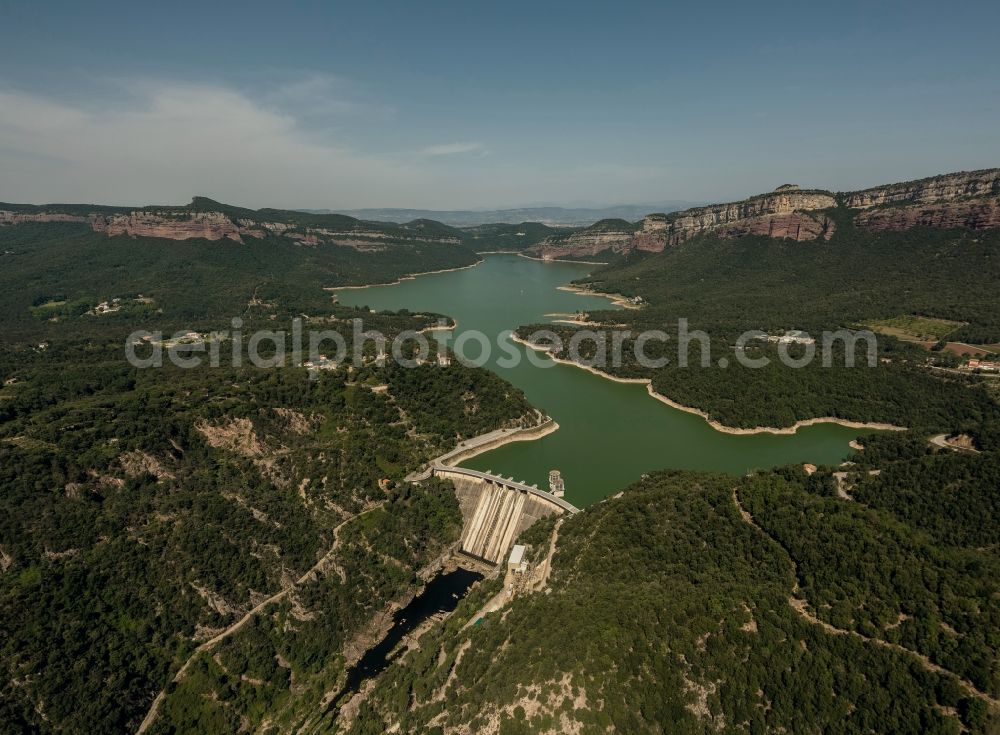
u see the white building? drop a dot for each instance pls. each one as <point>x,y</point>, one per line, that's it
<point>516,562</point>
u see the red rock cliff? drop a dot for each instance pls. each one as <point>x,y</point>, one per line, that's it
<point>170,225</point>
<point>781,213</point>
<point>966,199</point>
<point>973,215</point>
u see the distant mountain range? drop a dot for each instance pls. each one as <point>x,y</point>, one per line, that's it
<point>966,199</point>
<point>555,216</point>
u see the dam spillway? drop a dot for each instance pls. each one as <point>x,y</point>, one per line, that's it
<point>494,523</point>
<point>496,510</point>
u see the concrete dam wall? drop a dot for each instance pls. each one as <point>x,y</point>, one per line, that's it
<point>496,510</point>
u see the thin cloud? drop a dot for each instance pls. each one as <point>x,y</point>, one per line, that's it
<point>159,142</point>
<point>452,149</point>
<point>172,139</point>
<point>324,95</point>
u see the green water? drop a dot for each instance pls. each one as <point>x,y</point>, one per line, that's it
<point>610,433</point>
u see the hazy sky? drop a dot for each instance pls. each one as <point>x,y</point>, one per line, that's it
<point>468,104</point>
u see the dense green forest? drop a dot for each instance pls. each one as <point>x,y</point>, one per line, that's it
<point>724,287</point>
<point>141,508</point>
<point>189,284</point>
<point>899,389</point>
<point>485,238</point>
<point>670,610</point>
<point>280,670</point>
<point>143,511</point>
<point>731,285</point>
<point>867,570</point>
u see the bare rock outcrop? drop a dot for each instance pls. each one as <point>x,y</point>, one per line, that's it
<point>967,199</point>
<point>798,226</point>
<point>200,221</point>
<point>685,225</point>
<point>613,235</point>
<point>18,218</point>
<point>658,230</point>
<point>137,462</point>
<point>945,188</point>
<point>652,234</point>
<point>781,213</point>
<point>169,225</point>
<point>972,215</point>
<point>237,436</point>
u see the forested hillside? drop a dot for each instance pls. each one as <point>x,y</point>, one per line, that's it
<point>857,279</point>
<point>699,603</point>
<point>485,238</point>
<point>53,274</point>
<point>219,546</point>
<point>144,511</point>
<point>858,275</point>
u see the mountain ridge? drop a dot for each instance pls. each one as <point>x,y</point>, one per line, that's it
<point>551,216</point>
<point>959,199</point>
<point>211,220</point>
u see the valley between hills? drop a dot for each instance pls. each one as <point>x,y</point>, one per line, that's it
<point>220,549</point>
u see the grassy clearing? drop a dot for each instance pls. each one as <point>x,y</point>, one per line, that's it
<point>58,309</point>
<point>913,328</point>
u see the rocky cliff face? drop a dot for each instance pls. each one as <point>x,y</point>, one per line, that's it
<point>18,218</point>
<point>651,236</point>
<point>778,214</point>
<point>797,226</point>
<point>973,215</point>
<point>966,199</point>
<point>946,188</point>
<point>739,215</point>
<point>969,199</point>
<point>604,236</point>
<point>184,224</point>
<point>172,225</point>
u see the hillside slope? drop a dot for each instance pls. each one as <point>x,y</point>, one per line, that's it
<point>857,279</point>
<point>145,511</point>
<point>696,603</point>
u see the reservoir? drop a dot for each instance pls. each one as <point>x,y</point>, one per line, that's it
<point>610,433</point>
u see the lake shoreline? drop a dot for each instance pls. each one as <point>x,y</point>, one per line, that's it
<point>720,427</point>
<point>617,299</point>
<point>563,260</point>
<point>410,277</point>
<point>469,448</point>
<point>483,443</point>
<point>440,328</point>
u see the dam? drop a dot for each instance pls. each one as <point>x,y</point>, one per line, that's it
<point>495,510</point>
